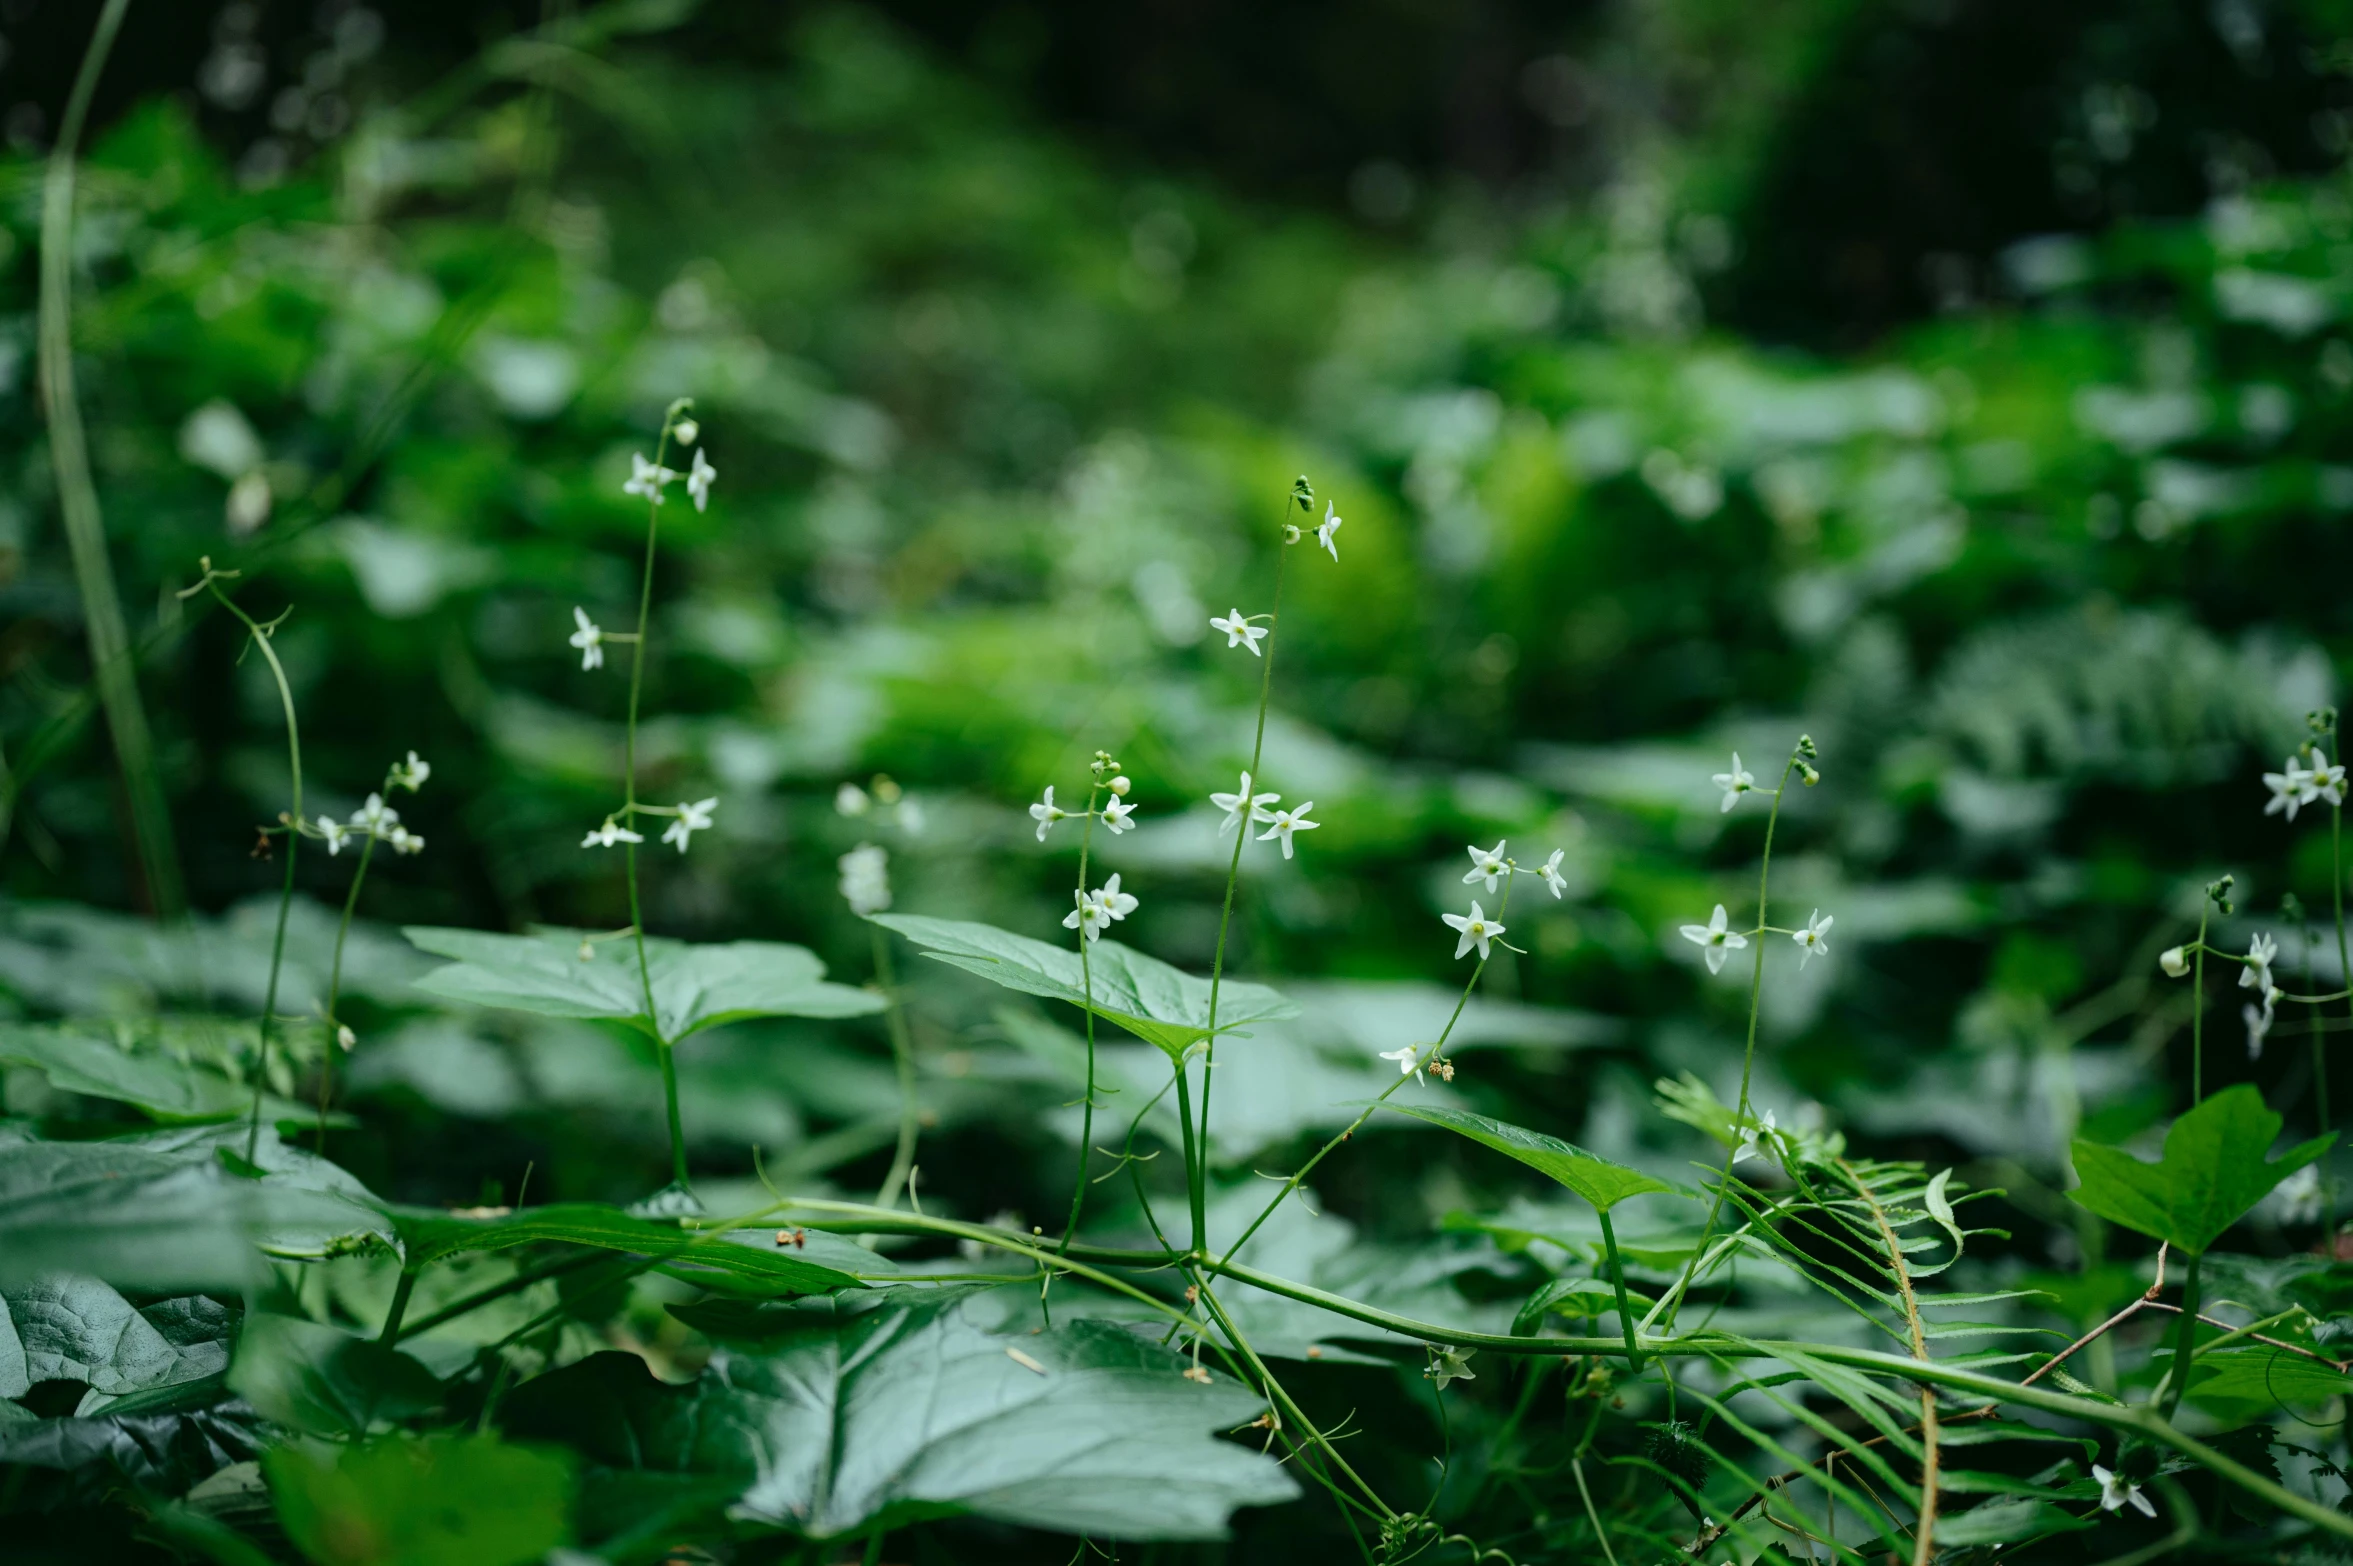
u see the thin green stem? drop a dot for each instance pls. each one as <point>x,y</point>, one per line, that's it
<point>2336,859</point>
<point>1282,1399</point>
<point>499,1291</point>
<point>400,1305</point>
<point>2177,1378</point>
<point>1197,1179</point>
<point>903,1057</point>
<point>113,669</point>
<point>2198,1008</point>
<point>1609,1241</point>
<point>335,991</point>
<point>1086,968</point>
<point>269,1007</point>
<point>645,971</point>
<point>1577,1469</point>
<point>1748,1055</point>
<point>1193,1190</point>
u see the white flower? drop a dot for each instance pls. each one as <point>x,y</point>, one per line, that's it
<point>1325,530</point>
<point>1734,783</point>
<point>333,834</point>
<point>345,1038</point>
<point>376,816</point>
<point>1045,813</point>
<point>2117,1492</point>
<point>646,479</point>
<point>2174,961</point>
<point>590,639</point>
<point>1116,903</point>
<point>1718,941</point>
<point>2256,975</point>
<point>1282,823</point>
<point>851,800</point>
<point>1403,1057</point>
<point>1239,631</point>
<point>1487,864</point>
<point>1242,806</point>
<point>911,816</point>
<point>689,820</point>
<point>2298,1198</point>
<point>1115,816</point>
<point>610,833</point>
<point>2259,1022</point>
<point>1550,870</point>
<point>1448,1364</point>
<point>2325,782</point>
<point>2288,789</point>
<point>406,842</point>
<point>1477,930</point>
<point>866,879</point>
<point>1814,937</point>
<point>698,482</point>
<point>1755,1135</point>
<point>412,773</point>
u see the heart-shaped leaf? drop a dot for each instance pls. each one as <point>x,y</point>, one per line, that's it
<point>2212,1173</point>
<point>59,1327</point>
<point>1157,1003</point>
<point>428,1234</point>
<point>694,986</point>
<point>893,1405</point>
<point>1597,1179</point>
<point>309,1376</point>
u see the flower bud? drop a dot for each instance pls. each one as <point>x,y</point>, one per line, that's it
<point>345,1037</point>
<point>2175,962</point>
<point>1290,532</point>
<point>686,431</point>
<point>1120,786</point>
<point>587,952</point>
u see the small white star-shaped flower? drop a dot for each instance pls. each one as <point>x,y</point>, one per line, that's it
<point>2298,1197</point>
<point>1404,1058</point>
<point>1476,928</point>
<point>1734,783</point>
<point>1115,816</point>
<point>406,842</point>
<point>1326,528</point>
<point>646,478</point>
<point>2256,975</point>
<point>1097,909</point>
<point>1550,870</point>
<point>1814,937</point>
<point>698,481</point>
<point>1282,823</point>
<point>610,833</point>
<point>2118,1492</point>
<point>1487,864</point>
<point>1045,813</point>
<point>332,833</point>
<point>2325,781</point>
<point>1718,941</point>
<point>1754,1136</point>
<point>1242,806</point>
<point>1239,631</point>
<point>590,639</point>
<point>689,820</point>
<point>412,773</point>
<point>377,817</point>
<point>1448,1365</point>
<point>2289,789</point>
<point>1116,903</point>
<point>2258,1021</point>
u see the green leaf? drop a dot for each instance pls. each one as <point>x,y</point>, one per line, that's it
<point>2243,1383</point>
<point>85,1058</point>
<point>159,1210</point>
<point>429,1502</point>
<point>894,1405</point>
<point>1599,1181</point>
<point>750,1258</point>
<point>2006,1522</point>
<point>323,1380</point>
<point>1159,1004</point>
<point>59,1327</point>
<point>695,986</point>
<point>2212,1173</point>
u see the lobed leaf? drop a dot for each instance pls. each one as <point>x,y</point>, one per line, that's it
<point>2213,1171</point>
<point>894,1405</point>
<point>694,986</point>
<point>1159,1004</point>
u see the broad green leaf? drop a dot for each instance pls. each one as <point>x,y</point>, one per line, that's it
<point>60,1327</point>
<point>894,1405</point>
<point>752,1259</point>
<point>2006,1522</point>
<point>88,1059</point>
<point>1599,1181</point>
<point>436,1501</point>
<point>2245,1383</point>
<point>2212,1173</point>
<point>695,986</point>
<point>161,1211</point>
<point>320,1379</point>
<point>162,1453</point>
<point>1157,1003</point>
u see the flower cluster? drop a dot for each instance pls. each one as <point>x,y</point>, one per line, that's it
<point>1114,812</point>
<point>2297,785</point>
<point>1716,939</point>
<point>882,793</point>
<point>375,821</point>
<point>865,880</point>
<point>686,819</point>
